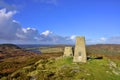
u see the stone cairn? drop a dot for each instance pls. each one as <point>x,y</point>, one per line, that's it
<point>79,52</point>
<point>68,52</point>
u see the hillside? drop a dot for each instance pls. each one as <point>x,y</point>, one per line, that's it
<point>55,67</point>
<point>63,69</point>
<point>11,50</point>
<point>111,51</point>
<point>104,48</point>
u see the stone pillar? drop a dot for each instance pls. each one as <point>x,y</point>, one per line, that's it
<point>80,50</point>
<point>68,51</point>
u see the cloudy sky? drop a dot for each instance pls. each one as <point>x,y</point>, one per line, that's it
<point>59,21</point>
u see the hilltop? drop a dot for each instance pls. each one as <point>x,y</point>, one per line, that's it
<point>52,66</point>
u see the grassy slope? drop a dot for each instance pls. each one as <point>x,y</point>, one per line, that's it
<point>52,68</point>
<point>64,69</point>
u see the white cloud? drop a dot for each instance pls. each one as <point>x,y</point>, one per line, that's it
<point>115,40</point>
<point>20,36</point>
<point>6,14</point>
<point>49,37</point>
<point>27,34</point>
<point>7,25</point>
<point>26,30</point>
<point>103,39</point>
<point>12,31</point>
<point>47,32</point>
<point>73,37</point>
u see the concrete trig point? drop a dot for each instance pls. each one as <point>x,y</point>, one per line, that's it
<point>68,52</point>
<point>80,50</point>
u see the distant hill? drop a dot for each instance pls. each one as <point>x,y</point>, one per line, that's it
<point>5,46</point>
<point>104,48</point>
<point>11,50</point>
<point>111,51</point>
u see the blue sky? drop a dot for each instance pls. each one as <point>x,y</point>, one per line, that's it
<point>59,21</point>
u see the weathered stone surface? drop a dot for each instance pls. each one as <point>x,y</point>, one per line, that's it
<point>68,51</point>
<point>80,50</point>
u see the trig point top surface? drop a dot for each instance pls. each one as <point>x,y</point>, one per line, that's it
<point>80,50</point>
<point>80,41</point>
